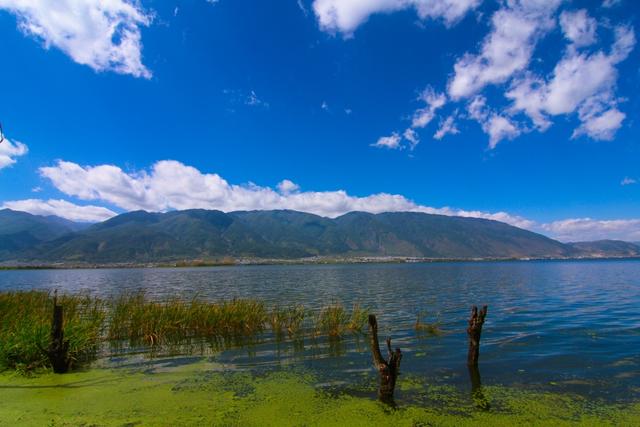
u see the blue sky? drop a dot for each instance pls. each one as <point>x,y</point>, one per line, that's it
<point>522,111</point>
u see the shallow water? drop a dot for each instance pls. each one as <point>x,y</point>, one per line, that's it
<point>561,326</point>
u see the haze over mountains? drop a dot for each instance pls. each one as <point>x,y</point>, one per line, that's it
<point>143,237</point>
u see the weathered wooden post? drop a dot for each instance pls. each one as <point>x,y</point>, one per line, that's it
<point>474,331</point>
<point>477,394</point>
<point>388,369</point>
<point>58,348</point>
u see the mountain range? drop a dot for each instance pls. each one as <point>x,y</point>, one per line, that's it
<point>146,237</point>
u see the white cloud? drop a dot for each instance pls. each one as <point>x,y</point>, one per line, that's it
<point>578,27</point>
<point>104,35</point>
<point>61,208</point>
<point>583,229</point>
<point>447,127</point>
<point>411,136</point>
<point>346,15</point>
<point>170,185</point>
<point>497,126</point>
<point>600,126</point>
<point>173,185</point>
<point>286,186</point>
<point>392,141</point>
<point>433,101</point>
<point>580,82</point>
<point>628,181</point>
<point>516,28</point>
<point>421,118</point>
<point>9,151</point>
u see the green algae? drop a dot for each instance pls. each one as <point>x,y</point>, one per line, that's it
<point>205,394</point>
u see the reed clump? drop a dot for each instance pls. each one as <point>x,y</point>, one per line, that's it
<point>140,321</point>
<point>286,319</point>
<point>134,321</point>
<point>25,325</point>
<point>335,320</point>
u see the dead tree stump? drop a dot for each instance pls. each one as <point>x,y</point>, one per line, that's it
<point>474,331</point>
<point>477,394</point>
<point>388,369</point>
<point>58,351</point>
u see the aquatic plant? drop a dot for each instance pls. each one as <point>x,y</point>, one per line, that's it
<point>289,319</point>
<point>195,395</point>
<point>335,320</point>
<point>135,321</point>
<point>25,324</point>
<point>431,328</point>
<point>140,321</point>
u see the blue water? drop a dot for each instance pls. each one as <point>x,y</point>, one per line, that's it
<point>566,326</point>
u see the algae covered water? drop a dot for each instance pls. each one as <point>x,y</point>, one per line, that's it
<point>559,327</point>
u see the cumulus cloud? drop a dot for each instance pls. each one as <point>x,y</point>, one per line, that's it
<point>104,35</point>
<point>286,186</point>
<point>9,151</point>
<point>497,126</point>
<point>345,16</point>
<point>578,27</point>
<point>516,29</point>
<point>61,208</point>
<point>582,229</point>
<point>582,83</point>
<point>172,185</point>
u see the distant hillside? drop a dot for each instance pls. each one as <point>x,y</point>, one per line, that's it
<point>140,237</point>
<point>607,248</point>
<point>20,230</point>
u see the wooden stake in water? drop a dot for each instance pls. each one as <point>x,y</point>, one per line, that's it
<point>58,347</point>
<point>388,369</point>
<point>474,331</point>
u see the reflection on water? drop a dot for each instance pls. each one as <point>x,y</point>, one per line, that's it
<point>559,325</point>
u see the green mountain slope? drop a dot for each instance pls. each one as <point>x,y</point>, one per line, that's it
<point>607,248</point>
<point>20,230</point>
<point>207,234</point>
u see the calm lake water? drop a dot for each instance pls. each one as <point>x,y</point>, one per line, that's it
<point>561,326</point>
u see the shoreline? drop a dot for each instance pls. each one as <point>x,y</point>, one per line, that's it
<point>298,261</point>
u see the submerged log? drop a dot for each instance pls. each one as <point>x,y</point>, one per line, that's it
<point>58,351</point>
<point>388,369</point>
<point>474,331</point>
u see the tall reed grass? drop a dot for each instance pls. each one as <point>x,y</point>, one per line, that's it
<point>135,321</point>
<point>25,325</point>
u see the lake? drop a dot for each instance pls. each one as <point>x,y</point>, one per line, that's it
<point>569,326</point>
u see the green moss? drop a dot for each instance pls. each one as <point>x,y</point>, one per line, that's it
<point>203,394</point>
